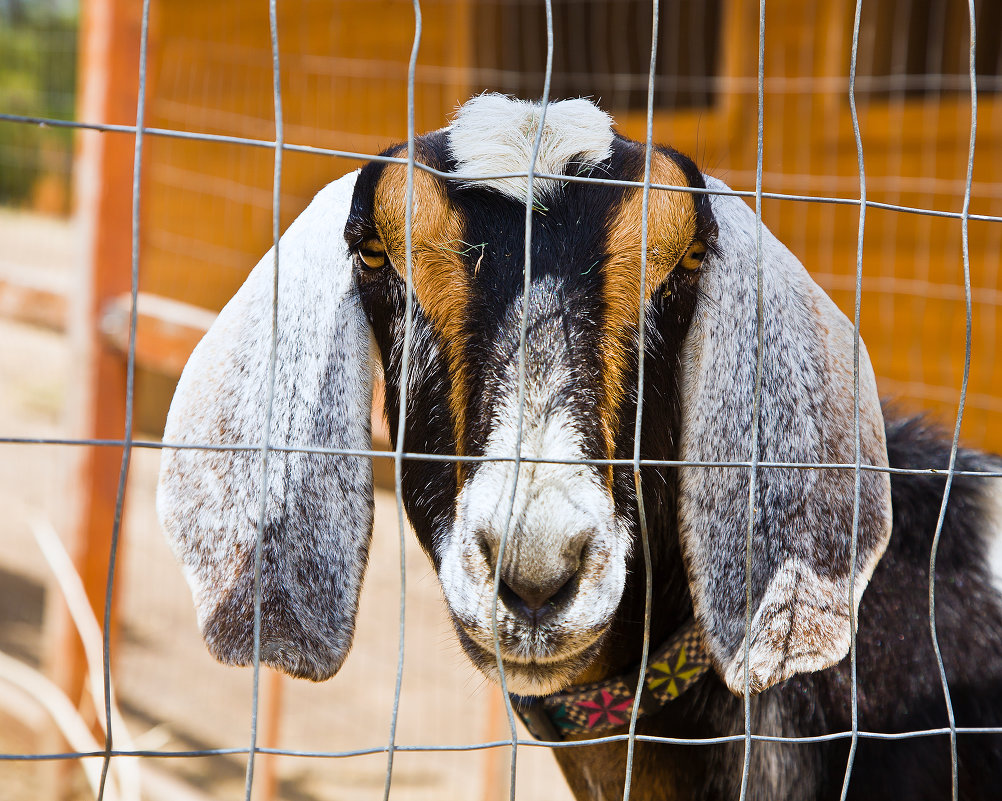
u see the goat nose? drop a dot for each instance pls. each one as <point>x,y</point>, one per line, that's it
<point>536,579</point>
<point>537,602</point>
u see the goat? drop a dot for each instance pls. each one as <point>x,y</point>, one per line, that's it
<point>572,593</point>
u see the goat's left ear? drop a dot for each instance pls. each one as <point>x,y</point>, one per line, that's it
<point>800,581</point>
<point>318,511</point>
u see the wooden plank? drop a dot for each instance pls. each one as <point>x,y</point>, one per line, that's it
<point>270,704</point>
<point>27,301</point>
<point>166,330</point>
<point>166,333</point>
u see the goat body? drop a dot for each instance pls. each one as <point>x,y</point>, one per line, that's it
<point>561,524</point>
<point>898,684</point>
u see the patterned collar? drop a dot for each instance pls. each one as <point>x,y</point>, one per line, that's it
<point>593,709</point>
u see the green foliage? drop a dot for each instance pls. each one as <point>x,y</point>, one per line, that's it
<point>38,71</point>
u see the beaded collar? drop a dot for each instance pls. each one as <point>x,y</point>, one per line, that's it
<point>593,709</point>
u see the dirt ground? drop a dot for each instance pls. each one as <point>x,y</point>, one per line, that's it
<point>173,695</point>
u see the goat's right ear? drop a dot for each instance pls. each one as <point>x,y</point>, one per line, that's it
<point>318,511</point>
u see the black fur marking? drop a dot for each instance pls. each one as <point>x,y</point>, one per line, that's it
<point>565,310</point>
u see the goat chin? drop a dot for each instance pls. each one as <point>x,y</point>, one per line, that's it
<point>537,675</point>
<point>532,680</point>
<point>539,655</point>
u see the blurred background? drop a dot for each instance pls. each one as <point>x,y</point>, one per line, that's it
<point>206,208</point>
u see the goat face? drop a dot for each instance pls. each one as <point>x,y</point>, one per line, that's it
<point>559,526</point>
<point>563,561</point>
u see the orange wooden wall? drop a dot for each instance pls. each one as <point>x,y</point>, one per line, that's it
<point>207,206</point>
<point>207,218</point>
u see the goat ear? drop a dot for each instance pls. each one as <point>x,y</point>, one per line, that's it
<point>803,517</point>
<point>318,512</point>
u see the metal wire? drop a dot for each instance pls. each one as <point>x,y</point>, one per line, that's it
<point>130,375</point>
<point>398,466</point>
<point>521,364</point>
<point>455,458</point>
<point>551,745</point>
<point>756,402</point>
<point>580,179</point>
<point>265,447</point>
<point>954,445</point>
<point>753,465</point>
<point>637,480</point>
<point>857,452</point>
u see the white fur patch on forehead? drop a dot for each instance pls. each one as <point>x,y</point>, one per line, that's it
<point>493,134</point>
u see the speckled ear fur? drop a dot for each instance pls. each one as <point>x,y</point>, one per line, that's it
<point>803,522</point>
<point>318,513</point>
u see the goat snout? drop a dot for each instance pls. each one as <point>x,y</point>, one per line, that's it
<point>562,570</point>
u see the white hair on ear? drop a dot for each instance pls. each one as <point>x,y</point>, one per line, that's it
<point>993,506</point>
<point>493,134</point>
<point>318,507</point>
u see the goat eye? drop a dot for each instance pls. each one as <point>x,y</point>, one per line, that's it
<point>372,253</point>
<point>694,256</point>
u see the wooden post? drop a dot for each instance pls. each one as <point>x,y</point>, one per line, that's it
<point>109,78</point>
<point>495,760</point>
<point>270,722</point>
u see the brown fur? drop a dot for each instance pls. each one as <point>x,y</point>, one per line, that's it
<point>670,231</point>
<point>439,276</point>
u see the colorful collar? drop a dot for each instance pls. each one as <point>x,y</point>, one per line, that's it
<point>592,709</point>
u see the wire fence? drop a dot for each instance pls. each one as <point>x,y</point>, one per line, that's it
<point>881,79</point>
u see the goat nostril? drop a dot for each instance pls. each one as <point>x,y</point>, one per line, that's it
<point>486,551</point>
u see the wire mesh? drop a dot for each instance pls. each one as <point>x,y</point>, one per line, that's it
<point>890,83</point>
<point>129,401</point>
